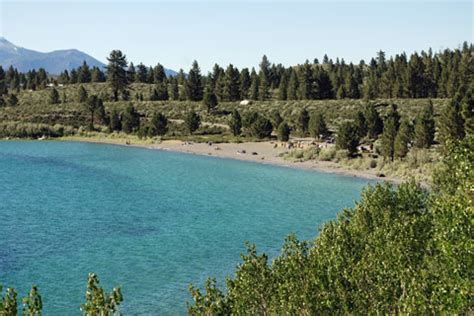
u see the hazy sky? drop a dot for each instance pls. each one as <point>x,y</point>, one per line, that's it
<point>238,32</point>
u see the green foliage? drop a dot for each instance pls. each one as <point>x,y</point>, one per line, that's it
<point>347,138</point>
<point>283,132</point>
<point>54,97</point>
<point>192,121</point>
<point>303,121</point>
<point>451,123</point>
<point>209,100</point>
<point>235,123</point>
<point>425,127</point>
<point>117,73</point>
<point>402,140</point>
<point>400,250</point>
<point>82,95</point>
<point>98,302</point>
<point>194,83</point>
<point>261,127</point>
<point>317,126</point>
<point>8,303</point>
<point>93,105</point>
<point>12,100</point>
<point>130,119</point>
<point>158,125</point>
<point>33,304</point>
<point>115,122</point>
<point>373,121</point>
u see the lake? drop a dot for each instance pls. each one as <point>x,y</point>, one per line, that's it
<point>150,221</point>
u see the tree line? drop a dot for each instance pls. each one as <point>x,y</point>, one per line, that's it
<point>419,75</point>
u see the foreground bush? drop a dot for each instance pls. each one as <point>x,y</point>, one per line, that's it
<point>98,302</point>
<point>399,250</point>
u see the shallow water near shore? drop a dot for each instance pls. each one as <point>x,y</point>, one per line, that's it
<point>150,221</point>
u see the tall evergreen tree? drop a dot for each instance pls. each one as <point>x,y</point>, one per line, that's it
<point>232,84</point>
<point>373,120</point>
<point>192,121</point>
<point>158,125</point>
<point>347,138</point>
<point>115,122</point>
<point>130,119</point>
<point>402,140</point>
<point>210,99</point>
<point>245,82</point>
<point>194,89</point>
<point>451,124</point>
<point>254,85</point>
<point>425,127</point>
<point>361,125</point>
<point>467,112</point>
<point>388,137</point>
<point>303,122</point>
<point>317,126</point>
<point>235,123</point>
<point>117,72</point>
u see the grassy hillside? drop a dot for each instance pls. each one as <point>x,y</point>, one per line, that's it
<point>34,107</point>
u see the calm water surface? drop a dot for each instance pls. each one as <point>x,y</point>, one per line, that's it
<point>150,221</point>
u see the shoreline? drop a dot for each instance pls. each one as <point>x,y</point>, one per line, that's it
<point>265,154</point>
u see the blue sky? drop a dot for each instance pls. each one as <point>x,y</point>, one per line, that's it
<point>289,32</point>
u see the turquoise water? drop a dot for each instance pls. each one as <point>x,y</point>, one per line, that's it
<point>150,221</point>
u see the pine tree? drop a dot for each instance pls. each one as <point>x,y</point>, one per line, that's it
<point>402,140</point>
<point>117,73</point>
<point>192,121</point>
<point>115,123</point>
<point>303,122</point>
<point>467,112</point>
<point>91,106</point>
<point>231,84</point>
<point>264,79</point>
<point>84,74</point>
<point>254,85</point>
<point>261,127</point>
<point>305,82</point>
<point>317,126</point>
<point>235,123</point>
<point>347,138</point>
<point>142,73</point>
<point>194,83</point>
<point>283,132</point>
<point>425,127</point>
<point>245,82</point>
<point>283,87</point>
<point>3,84</point>
<point>131,73</point>
<point>451,125</point>
<point>174,89</point>
<point>159,75</point>
<point>292,86</point>
<point>361,125</point>
<point>130,119</point>
<point>388,137</point>
<point>276,119</point>
<point>210,99</point>
<point>158,125</point>
<point>54,96</point>
<point>373,120</point>
<point>82,95</point>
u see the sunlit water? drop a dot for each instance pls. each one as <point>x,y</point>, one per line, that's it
<point>150,221</point>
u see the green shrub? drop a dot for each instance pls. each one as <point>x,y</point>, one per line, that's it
<point>327,154</point>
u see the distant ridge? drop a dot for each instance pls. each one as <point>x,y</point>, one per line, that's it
<point>53,62</point>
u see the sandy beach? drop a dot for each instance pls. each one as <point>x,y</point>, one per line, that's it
<point>267,152</point>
